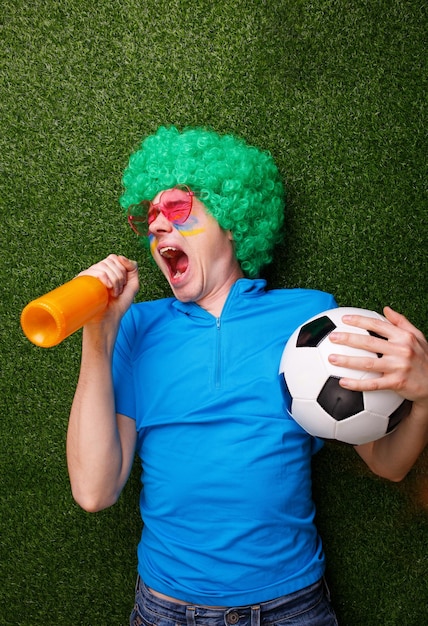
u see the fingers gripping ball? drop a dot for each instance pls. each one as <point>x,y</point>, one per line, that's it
<point>318,403</point>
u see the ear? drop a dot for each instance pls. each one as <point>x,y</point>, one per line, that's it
<point>230,235</point>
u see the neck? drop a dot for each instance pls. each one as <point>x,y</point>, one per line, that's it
<point>215,300</point>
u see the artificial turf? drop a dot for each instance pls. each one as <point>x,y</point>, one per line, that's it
<point>336,90</point>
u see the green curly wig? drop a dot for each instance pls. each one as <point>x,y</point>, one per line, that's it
<point>238,183</point>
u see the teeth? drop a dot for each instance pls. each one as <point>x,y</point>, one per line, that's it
<point>172,255</point>
<point>168,252</point>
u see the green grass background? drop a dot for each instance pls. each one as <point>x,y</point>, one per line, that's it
<point>336,90</point>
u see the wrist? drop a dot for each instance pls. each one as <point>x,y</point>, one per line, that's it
<point>419,412</point>
<point>99,337</point>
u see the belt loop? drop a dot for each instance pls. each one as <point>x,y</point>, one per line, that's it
<point>190,616</point>
<point>255,615</point>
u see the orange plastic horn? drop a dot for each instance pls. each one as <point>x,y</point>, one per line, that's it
<point>48,320</point>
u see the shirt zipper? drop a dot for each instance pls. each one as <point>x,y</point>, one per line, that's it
<point>217,365</point>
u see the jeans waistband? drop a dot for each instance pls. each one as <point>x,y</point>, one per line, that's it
<point>231,615</point>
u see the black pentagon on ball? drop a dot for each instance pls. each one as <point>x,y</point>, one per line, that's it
<point>312,333</point>
<point>338,402</point>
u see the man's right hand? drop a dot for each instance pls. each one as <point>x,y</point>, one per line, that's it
<point>120,276</point>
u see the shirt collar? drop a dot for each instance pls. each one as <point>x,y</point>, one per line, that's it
<point>242,288</point>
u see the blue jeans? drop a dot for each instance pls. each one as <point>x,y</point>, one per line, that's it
<point>307,607</point>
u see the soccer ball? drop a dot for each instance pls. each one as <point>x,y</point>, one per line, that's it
<point>318,403</point>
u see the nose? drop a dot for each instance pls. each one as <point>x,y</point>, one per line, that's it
<point>160,225</point>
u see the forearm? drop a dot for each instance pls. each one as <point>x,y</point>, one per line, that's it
<point>94,450</point>
<point>393,456</point>
<point>100,443</point>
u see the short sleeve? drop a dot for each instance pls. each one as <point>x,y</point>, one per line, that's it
<point>123,371</point>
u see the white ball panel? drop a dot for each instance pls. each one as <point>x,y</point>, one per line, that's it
<point>362,428</point>
<point>327,347</point>
<point>304,373</point>
<point>313,418</point>
<point>382,401</point>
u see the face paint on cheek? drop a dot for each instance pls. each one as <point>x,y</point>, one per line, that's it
<point>190,227</point>
<point>152,244</point>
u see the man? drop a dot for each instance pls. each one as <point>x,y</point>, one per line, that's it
<point>191,384</point>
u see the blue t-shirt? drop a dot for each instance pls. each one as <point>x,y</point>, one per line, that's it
<point>226,472</point>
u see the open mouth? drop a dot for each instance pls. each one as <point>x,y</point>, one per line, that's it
<point>176,260</point>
